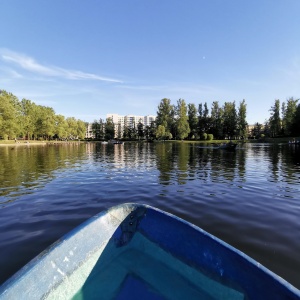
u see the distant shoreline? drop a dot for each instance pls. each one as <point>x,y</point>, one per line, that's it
<point>43,143</point>
<point>34,143</point>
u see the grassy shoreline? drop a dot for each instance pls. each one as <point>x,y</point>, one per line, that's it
<point>32,142</point>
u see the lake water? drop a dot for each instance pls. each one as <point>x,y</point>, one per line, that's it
<point>249,198</point>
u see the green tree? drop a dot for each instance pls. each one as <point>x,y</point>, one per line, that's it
<point>45,127</point>
<point>216,120</point>
<point>229,120</point>
<point>140,130</point>
<point>96,129</point>
<point>283,113</point>
<point>125,132</point>
<point>165,116</point>
<point>242,124</point>
<point>60,127</point>
<point>288,115</point>
<point>109,129</point>
<point>193,121</point>
<point>71,128</point>
<point>210,137</point>
<point>150,131</point>
<point>183,128</point>
<point>132,131</point>
<point>267,129</point>
<point>206,118</point>
<point>29,117</point>
<point>275,120</point>
<point>119,133</point>
<point>161,132</point>
<point>81,129</point>
<point>257,130</point>
<point>296,122</point>
<point>201,129</point>
<point>101,129</point>
<point>9,115</point>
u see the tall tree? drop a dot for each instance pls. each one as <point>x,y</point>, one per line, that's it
<point>216,120</point>
<point>183,128</point>
<point>125,132</point>
<point>165,116</point>
<point>45,122</point>
<point>201,129</point>
<point>132,131</point>
<point>60,127</point>
<point>296,122</point>
<point>192,120</point>
<point>96,129</point>
<point>275,120</point>
<point>119,132</point>
<point>206,118</point>
<point>229,120</point>
<point>101,129</point>
<point>160,132</point>
<point>109,129</point>
<point>151,131</point>
<point>257,130</point>
<point>30,114</point>
<point>288,115</point>
<point>71,128</point>
<point>81,129</point>
<point>283,124</point>
<point>140,130</point>
<point>242,124</point>
<point>9,115</point>
<point>25,118</point>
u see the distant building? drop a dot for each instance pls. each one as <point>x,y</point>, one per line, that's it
<point>120,122</point>
<point>256,130</point>
<point>89,132</point>
<point>148,120</point>
<point>129,120</point>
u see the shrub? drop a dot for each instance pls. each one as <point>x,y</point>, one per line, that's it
<point>210,137</point>
<point>204,136</point>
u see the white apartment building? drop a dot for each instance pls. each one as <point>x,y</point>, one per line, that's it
<point>129,121</point>
<point>120,121</point>
<point>148,120</point>
<point>89,132</point>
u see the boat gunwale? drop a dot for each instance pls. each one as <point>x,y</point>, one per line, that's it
<point>126,209</point>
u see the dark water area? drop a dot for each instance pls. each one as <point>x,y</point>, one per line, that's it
<point>249,197</point>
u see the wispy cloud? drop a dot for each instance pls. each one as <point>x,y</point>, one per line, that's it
<point>30,64</point>
<point>188,90</point>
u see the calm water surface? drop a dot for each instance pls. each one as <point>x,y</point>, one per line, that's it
<point>249,198</point>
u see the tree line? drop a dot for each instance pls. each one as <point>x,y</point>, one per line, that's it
<point>182,121</point>
<point>108,130</point>
<point>27,120</point>
<point>284,119</point>
<point>173,121</point>
<point>188,121</point>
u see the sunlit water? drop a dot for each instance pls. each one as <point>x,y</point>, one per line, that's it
<point>249,198</point>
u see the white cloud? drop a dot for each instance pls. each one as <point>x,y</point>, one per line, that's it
<point>31,65</point>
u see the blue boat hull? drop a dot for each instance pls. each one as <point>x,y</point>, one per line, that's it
<point>135,251</point>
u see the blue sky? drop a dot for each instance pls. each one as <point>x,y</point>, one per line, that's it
<point>89,58</point>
